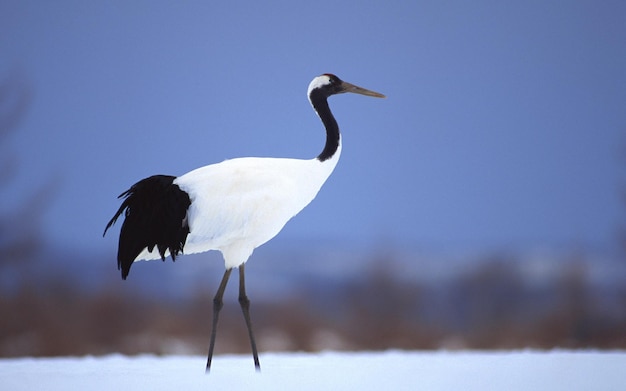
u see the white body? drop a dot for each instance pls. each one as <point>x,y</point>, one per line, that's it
<point>239,204</point>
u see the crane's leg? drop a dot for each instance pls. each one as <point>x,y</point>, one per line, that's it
<point>217,306</point>
<point>245,307</point>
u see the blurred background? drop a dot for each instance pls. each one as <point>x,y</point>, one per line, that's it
<point>482,205</point>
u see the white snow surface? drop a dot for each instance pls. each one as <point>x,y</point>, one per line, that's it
<point>391,370</point>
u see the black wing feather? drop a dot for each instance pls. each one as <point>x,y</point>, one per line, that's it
<point>155,211</point>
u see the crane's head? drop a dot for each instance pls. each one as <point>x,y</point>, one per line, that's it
<point>329,84</point>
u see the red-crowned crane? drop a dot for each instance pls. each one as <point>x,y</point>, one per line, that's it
<point>233,206</point>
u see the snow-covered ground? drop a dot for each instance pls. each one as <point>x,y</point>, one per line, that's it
<point>393,370</point>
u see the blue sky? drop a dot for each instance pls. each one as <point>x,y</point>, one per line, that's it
<point>504,125</point>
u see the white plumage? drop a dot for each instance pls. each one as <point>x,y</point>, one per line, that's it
<point>233,206</point>
<point>239,204</point>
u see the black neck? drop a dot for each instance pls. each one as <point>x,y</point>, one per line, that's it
<point>320,104</point>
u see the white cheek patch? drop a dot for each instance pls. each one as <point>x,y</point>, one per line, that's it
<point>318,82</point>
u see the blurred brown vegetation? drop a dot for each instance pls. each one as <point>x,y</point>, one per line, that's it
<point>489,306</point>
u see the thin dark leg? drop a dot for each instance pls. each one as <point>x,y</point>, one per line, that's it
<point>217,306</point>
<point>245,307</point>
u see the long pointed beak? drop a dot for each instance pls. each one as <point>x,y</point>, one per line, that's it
<point>347,87</point>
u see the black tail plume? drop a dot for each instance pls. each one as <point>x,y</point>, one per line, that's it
<point>155,216</point>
